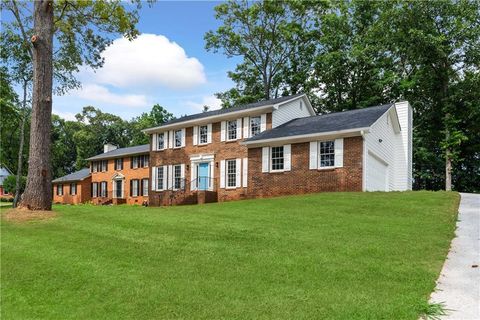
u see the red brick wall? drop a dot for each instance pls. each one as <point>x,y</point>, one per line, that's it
<point>222,151</point>
<point>82,195</point>
<point>129,173</point>
<point>301,179</point>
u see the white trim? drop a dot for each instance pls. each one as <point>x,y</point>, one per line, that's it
<point>263,122</point>
<point>245,172</point>
<point>170,177</point>
<point>154,178</point>
<point>265,159</point>
<point>239,128</point>
<point>209,133</point>
<point>338,145</point>
<point>195,135</point>
<point>313,164</point>
<point>222,131</point>
<point>170,139</point>
<point>305,137</point>
<point>222,174</point>
<point>215,118</point>
<point>183,137</point>
<point>154,142</point>
<point>246,127</point>
<point>238,172</point>
<point>287,157</point>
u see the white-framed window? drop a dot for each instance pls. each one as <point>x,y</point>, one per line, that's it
<point>94,166</point>
<point>73,188</point>
<point>95,189</point>
<point>326,154</point>
<point>161,141</point>
<point>255,125</point>
<point>104,165</point>
<point>134,162</point>
<point>103,189</point>
<point>177,176</point>
<point>59,189</point>
<point>232,130</point>
<point>119,164</point>
<point>134,186</point>
<point>178,138</point>
<point>231,173</point>
<point>160,178</point>
<point>277,158</point>
<point>202,134</point>
<point>144,187</point>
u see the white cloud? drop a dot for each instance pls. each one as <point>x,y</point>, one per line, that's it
<point>65,115</point>
<point>213,102</point>
<point>97,93</point>
<point>149,60</point>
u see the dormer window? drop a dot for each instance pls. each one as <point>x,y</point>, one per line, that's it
<point>232,130</point>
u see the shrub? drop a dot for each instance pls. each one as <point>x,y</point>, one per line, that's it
<point>10,182</point>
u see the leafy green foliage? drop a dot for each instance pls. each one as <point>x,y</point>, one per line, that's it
<point>10,182</point>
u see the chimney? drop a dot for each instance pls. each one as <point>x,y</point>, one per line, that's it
<point>109,147</point>
<point>405,117</point>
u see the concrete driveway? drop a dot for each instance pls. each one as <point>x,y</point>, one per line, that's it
<point>458,286</point>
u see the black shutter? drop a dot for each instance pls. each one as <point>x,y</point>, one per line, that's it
<point>106,165</point>
<point>121,163</point>
<point>131,188</point>
<point>141,187</point>
<point>131,162</point>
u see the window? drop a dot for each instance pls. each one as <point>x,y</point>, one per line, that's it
<point>94,166</point>
<point>73,189</point>
<point>231,173</point>
<point>134,162</point>
<point>134,188</point>
<point>143,160</point>
<point>103,189</point>
<point>60,190</point>
<point>103,165</point>
<point>119,164</point>
<point>327,154</point>
<point>160,178</point>
<point>277,158</point>
<point>177,177</point>
<point>255,125</point>
<point>94,189</point>
<point>144,187</point>
<point>232,130</point>
<point>178,138</point>
<point>161,141</point>
<point>202,134</point>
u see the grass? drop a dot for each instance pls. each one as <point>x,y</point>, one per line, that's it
<point>323,256</point>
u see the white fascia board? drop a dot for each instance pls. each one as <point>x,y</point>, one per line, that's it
<point>205,120</point>
<point>396,126</point>
<point>306,137</point>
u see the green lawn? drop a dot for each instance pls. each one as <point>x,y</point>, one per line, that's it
<point>323,256</point>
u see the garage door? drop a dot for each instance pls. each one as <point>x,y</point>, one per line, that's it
<point>377,174</point>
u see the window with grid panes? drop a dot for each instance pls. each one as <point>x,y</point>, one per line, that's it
<point>277,158</point>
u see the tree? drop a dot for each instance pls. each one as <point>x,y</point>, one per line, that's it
<point>154,118</point>
<point>66,34</point>
<point>265,34</point>
<point>10,184</point>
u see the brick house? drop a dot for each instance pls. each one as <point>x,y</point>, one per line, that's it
<point>279,147</point>
<point>120,175</point>
<point>4,173</point>
<point>73,188</point>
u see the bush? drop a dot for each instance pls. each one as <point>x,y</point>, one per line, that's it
<point>6,199</point>
<point>10,182</point>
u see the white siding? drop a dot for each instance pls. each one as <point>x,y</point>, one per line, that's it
<point>391,151</point>
<point>403,177</point>
<point>289,111</point>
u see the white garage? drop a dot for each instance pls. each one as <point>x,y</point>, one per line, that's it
<point>377,174</point>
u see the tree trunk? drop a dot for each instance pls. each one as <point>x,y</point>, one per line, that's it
<point>448,171</point>
<point>20,149</point>
<point>38,191</point>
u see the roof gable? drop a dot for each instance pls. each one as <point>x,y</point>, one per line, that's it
<point>120,152</point>
<point>74,176</point>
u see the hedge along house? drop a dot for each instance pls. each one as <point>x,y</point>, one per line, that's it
<point>279,147</point>
<point>73,188</point>
<point>120,175</point>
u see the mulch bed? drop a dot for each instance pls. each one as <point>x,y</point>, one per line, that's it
<point>23,215</point>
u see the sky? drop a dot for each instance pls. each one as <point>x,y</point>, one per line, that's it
<point>166,64</point>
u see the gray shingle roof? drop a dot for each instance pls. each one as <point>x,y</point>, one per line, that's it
<point>75,176</point>
<point>224,111</point>
<point>144,148</point>
<point>359,118</point>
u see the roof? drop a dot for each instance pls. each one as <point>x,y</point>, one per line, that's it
<point>229,110</point>
<point>144,148</point>
<point>353,119</point>
<point>75,176</point>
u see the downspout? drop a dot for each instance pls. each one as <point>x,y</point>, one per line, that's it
<point>364,161</point>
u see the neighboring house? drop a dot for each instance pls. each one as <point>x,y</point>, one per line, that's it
<point>279,147</point>
<point>4,173</point>
<point>120,175</point>
<point>74,188</point>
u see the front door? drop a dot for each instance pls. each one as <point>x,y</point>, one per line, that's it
<point>118,189</point>
<point>203,176</point>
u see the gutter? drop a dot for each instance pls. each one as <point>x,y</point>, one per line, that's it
<point>307,137</point>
